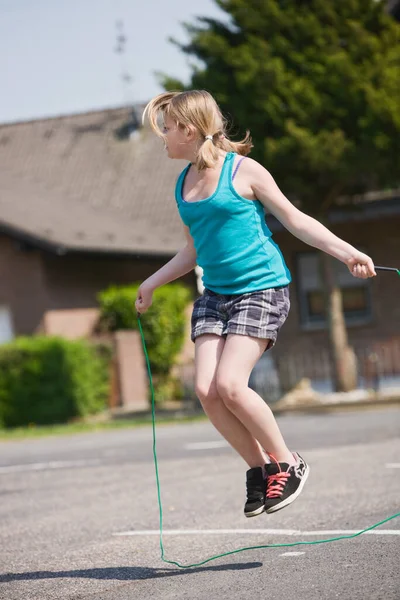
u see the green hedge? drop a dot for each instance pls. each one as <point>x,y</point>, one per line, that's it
<point>48,380</point>
<point>163,326</point>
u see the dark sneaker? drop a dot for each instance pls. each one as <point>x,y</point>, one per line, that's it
<point>256,487</point>
<point>284,483</point>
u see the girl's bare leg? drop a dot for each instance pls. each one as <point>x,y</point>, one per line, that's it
<point>239,355</point>
<point>208,351</point>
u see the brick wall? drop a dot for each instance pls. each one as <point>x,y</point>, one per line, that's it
<point>381,240</point>
<point>22,285</point>
<point>74,281</point>
<point>34,282</point>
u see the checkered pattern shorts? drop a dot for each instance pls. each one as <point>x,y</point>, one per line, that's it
<point>258,314</point>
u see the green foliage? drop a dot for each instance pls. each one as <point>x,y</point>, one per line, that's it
<point>47,380</point>
<point>167,387</point>
<point>316,83</point>
<point>163,324</point>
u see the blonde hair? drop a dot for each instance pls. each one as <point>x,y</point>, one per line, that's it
<point>197,108</point>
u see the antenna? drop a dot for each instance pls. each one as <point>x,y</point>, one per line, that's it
<point>126,78</point>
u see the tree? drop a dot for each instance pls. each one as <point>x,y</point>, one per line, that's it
<point>316,83</point>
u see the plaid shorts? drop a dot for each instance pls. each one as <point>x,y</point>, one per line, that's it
<point>258,314</point>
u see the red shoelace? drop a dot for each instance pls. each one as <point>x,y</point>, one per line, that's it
<point>277,482</point>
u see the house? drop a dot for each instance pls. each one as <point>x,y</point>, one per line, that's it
<point>87,201</point>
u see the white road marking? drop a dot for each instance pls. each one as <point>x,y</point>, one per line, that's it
<point>351,532</point>
<point>206,445</point>
<point>392,465</point>
<point>282,532</point>
<point>292,554</point>
<point>60,464</point>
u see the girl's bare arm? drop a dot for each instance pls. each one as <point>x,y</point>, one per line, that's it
<point>183,262</point>
<point>303,226</point>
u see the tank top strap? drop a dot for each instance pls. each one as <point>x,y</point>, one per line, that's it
<point>225,177</point>
<point>179,183</point>
<point>226,171</point>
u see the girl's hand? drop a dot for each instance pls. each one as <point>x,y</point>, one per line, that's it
<point>360,265</point>
<point>144,298</point>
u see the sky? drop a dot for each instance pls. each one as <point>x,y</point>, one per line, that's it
<point>58,57</point>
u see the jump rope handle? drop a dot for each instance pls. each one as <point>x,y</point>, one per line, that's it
<point>388,269</point>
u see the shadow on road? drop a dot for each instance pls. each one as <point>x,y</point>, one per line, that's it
<point>124,573</point>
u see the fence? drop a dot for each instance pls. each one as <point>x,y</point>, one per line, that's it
<point>378,367</point>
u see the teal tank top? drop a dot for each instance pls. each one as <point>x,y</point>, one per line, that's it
<point>233,243</point>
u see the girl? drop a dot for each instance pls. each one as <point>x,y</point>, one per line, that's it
<point>246,296</point>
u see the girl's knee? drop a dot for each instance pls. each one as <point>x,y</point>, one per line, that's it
<point>207,393</point>
<point>230,390</point>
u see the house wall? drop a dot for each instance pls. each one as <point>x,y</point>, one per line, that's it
<point>22,285</point>
<point>33,282</point>
<point>381,240</point>
<point>74,281</point>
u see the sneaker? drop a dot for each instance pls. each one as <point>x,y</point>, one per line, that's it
<point>284,483</point>
<point>256,488</point>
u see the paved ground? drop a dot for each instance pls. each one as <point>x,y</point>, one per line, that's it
<point>69,507</point>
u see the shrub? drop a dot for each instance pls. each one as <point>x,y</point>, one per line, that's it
<point>47,380</point>
<point>163,324</point>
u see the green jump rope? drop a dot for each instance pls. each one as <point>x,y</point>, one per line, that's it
<point>203,562</point>
<point>388,269</point>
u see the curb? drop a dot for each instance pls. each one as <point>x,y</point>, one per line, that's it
<point>182,412</point>
<point>338,406</point>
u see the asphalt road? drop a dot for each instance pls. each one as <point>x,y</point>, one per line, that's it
<point>79,515</point>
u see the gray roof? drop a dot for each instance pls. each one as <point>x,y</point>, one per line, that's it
<point>84,183</point>
<point>71,183</point>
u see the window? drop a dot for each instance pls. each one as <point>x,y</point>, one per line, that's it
<point>355,293</point>
<point>6,328</point>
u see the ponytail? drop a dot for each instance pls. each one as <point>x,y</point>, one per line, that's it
<point>208,153</point>
<point>197,108</point>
